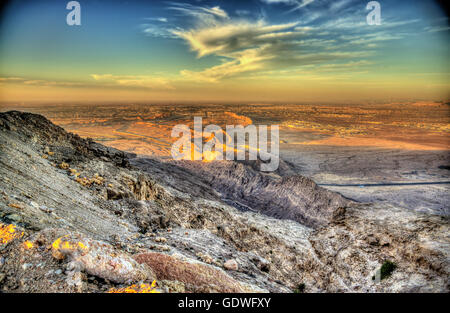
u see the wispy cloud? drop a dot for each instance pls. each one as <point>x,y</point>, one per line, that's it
<point>248,60</point>
<point>246,46</point>
<point>201,14</point>
<point>38,82</point>
<point>148,82</point>
<point>435,29</point>
<point>298,4</point>
<point>230,37</point>
<point>157,19</point>
<point>102,80</point>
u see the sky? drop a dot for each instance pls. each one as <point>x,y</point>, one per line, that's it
<point>219,51</point>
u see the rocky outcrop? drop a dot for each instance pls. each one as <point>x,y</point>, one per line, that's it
<point>363,238</point>
<point>196,277</point>
<point>109,209</point>
<point>99,259</point>
<point>293,197</point>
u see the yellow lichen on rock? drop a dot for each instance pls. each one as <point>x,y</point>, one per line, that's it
<point>86,182</point>
<point>83,181</point>
<point>142,288</point>
<point>65,245</point>
<point>64,166</point>
<point>8,233</point>
<point>97,179</point>
<point>100,259</point>
<point>74,172</point>
<point>28,245</point>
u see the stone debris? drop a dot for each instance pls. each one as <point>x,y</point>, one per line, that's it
<point>231,265</point>
<point>205,258</point>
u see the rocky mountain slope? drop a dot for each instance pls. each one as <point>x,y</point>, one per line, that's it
<point>76,216</point>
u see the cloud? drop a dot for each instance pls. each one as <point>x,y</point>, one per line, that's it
<point>102,80</point>
<point>298,3</point>
<point>374,38</point>
<point>248,44</point>
<point>434,29</point>
<point>38,82</point>
<point>157,19</point>
<point>156,31</point>
<point>11,79</point>
<point>217,11</point>
<point>255,47</point>
<point>245,61</point>
<point>229,37</point>
<point>140,81</point>
<point>201,14</point>
<point>198,14</point>
<point>245,46</point>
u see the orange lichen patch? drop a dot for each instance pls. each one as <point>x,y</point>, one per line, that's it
<point>64,244</point>
<point>8,233</point>
<point>202,276</point>
<point>64,166</point>
<point>15,205</point>
<point>45,156</point>
<point>50,153</point>
<point>142,288</point>
<point>28,245</point>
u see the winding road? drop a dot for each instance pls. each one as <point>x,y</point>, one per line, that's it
<point>363,185</point>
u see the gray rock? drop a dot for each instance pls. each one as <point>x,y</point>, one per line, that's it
<point>231,265</point>
<point>46,209</point>
<point>14,217</point>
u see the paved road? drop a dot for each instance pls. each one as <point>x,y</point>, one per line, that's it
<point>386,184</point>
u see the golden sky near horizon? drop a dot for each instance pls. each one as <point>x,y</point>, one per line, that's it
<point>224,51</point>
